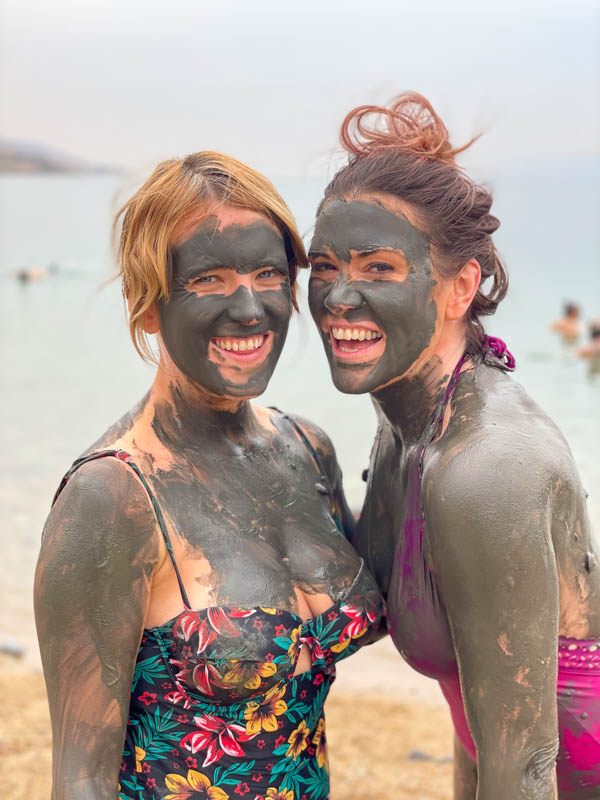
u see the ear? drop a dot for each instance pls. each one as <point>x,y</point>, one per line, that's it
<point>464,287</point>
<point>150,323</point>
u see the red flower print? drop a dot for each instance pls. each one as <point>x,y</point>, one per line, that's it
<point>270,766</point>
<point>145,767</point>
<point>216,737</point>
<point>167,685</point>
<point>186,652</point>
<point>280,724</point>
<point>151,783</point>
<point>257,777</point>
<point>241,612</point>
<point>269,657</point>
<point>208,624</point>
<point>191,762</point>
<point>147,698</point>
<point>174,752</point>
<point>260,744</point>
<point>280,740</point>
<point>242,788</point>
<point>302,694</point>
<point>318,679</point>
<point>332,615</point>
<point>280,630</point>
<point>176,765</point>
<point>359,621</point>
<point>182,718</point>
<point>258,624</point>
<point>177,696</point>
<point>123,766</point>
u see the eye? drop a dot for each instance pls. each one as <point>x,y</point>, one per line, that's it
<point>323,267</point>
<point>204,279</point>
<point>265,274</point>
<point>379,267</point>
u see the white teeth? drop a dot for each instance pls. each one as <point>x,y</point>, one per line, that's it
<point>241,345</point>
<point>359,334</point>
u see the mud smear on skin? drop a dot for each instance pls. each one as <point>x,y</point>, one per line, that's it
<point>190,319</point>
<point>233,489</point>
<point>404,310</point>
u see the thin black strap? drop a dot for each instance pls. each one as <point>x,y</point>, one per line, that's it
<point>324,480</point>
<point>126,459</point>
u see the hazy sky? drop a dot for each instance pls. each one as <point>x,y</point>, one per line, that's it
<point>269,81</point>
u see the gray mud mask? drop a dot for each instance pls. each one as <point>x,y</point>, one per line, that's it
<point>403,310</point>
<point>190,319</point>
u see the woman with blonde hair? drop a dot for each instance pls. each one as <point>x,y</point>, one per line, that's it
<point>194,587</point>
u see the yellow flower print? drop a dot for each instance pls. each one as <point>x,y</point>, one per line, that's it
<point>294,648</point>
<point>247,673</point>
<point>298,740</point>
<point>277,794</point>
<point>140,755</point>
<point>320,746</point>
<point>263,716</point>
<point>195,785</point>
<point>268,610</point>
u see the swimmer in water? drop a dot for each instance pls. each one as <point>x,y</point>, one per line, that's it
<point>568,326</point>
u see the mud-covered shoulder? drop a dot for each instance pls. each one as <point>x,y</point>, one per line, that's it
<point>92,587</point>
<point>326,455</point>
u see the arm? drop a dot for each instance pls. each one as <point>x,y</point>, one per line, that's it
<point>325,450</point>
<point>488,524</point>
<point>92,586</point>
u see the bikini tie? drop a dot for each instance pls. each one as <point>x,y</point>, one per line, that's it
<point>499,349</point>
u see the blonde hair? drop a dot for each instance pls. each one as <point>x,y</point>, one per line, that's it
<point>176,188</point>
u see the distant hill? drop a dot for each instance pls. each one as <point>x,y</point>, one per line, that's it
<point>30,157</point>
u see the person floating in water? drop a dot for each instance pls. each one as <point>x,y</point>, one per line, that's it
<point>591,351</point>
<point>568,325</point>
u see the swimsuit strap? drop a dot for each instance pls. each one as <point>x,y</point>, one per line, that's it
<point>438,417</point>
<point>324,480</point>
<point>123,456</point>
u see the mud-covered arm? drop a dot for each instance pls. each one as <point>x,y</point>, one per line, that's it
<point>488,525</point>
<point>325,450</point>
<point>92,586</point>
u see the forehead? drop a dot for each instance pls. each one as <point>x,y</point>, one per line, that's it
<point>227,236</point>
<point>368,223</point>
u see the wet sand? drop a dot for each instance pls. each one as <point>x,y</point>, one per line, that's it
<point>388,729</point>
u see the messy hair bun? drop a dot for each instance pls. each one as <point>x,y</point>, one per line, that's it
<point>404,150</point>
<point>410,123</point>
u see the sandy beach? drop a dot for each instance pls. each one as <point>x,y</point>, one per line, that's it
<point>388,729</point>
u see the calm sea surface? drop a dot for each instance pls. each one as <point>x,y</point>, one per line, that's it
<point>69,369</point>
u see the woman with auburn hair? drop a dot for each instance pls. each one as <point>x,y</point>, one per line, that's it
<point>195,588</point>
<point>475,521</point>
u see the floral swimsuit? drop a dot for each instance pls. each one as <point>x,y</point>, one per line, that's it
<point>216,711</point>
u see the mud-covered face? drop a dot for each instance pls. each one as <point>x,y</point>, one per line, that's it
<point>370,292</point>
<point>227,317</point>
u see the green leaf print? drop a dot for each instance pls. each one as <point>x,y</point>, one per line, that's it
<point>149,670</point>
<point>233,773</point>
<point>155,734</point>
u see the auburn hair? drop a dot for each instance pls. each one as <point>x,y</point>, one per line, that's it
<point>176,188</point>
<point>404,150</point>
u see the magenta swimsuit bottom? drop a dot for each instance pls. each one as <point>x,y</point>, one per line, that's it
<point>426,642</point>
<point>578,701</point>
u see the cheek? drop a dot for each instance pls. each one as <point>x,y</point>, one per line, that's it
<point>317,294</point>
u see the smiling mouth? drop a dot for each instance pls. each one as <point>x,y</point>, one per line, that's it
<point>245,348</point>
<point>354,342</point>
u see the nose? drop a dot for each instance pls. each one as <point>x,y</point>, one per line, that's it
<point>245,307</point>
<point>342,297</point>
